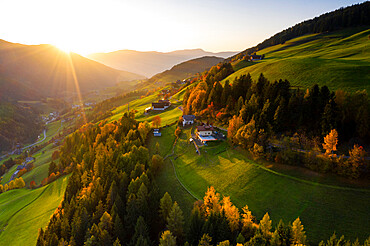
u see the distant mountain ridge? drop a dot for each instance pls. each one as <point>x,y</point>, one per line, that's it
<point>50,72</point>
<point>186,69</point>
<point>149,63</point>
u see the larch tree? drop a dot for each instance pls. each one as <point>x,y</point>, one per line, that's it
<point>211,201</point>
<point>266,225</point>
<point>330,142</point>
<point>248,226</point>
<point>232,213</point>
<point>167,239</point>
<point>299,237</point>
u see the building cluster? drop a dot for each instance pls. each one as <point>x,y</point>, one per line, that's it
<point>161,105</point>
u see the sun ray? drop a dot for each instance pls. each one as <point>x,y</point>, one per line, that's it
<point>77,87</point>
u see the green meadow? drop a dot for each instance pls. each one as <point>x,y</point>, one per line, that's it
<point>168,116</point>
<point>323,204</point>
<point>24,211</point>
<point>41,165</point>
<point>340,60</point>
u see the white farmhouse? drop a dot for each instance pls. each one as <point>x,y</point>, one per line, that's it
<point>188,119</point>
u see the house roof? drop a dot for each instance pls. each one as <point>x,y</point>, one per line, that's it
<point>205,128</point>
<point>256,56</point>
<point>165,102</point>
<point>188,117</point>
<point>159,105</point>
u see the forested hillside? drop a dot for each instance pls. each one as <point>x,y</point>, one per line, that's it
<point>18,124</point>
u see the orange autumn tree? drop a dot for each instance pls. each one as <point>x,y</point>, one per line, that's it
<point>330,142</point>
<point>231,213</point>
<point>234,124</point>
<point>356,160</point>
<point>156,123</point>
<point>211,201</point>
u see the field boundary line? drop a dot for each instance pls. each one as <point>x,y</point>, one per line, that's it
<point>306,181</point>
<point>26,205</point>
<point>174,170</point>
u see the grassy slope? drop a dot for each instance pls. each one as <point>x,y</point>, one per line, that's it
<point>23,212</point>
<point>166,179</point>
<point>321,208</point>
<point>41,165</point>
<point>168,116</point>
<point>340,60</point>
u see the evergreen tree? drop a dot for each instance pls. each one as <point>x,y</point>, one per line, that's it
<point>167,239</point>
<point>195,227</point>
<point>165,206</point>
<point>175,221</point>
<point>141,234</point>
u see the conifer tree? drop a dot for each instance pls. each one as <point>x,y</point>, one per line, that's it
<point>167,239</point>
<point>266,225</point>
<point>175,221</point>
<point>298,233</point>
<point>165,206</point>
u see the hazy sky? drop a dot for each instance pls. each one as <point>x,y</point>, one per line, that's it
<point>87,26</point>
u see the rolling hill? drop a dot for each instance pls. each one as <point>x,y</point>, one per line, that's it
<point>339,59</point>
<point>331,49</point>
<point>50,72</point>
<point>151,62</point>
<point>186,69</point>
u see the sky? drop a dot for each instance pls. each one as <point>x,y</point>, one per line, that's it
<point>89,26</point>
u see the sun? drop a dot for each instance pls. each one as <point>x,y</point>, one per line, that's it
<point>63,47</point>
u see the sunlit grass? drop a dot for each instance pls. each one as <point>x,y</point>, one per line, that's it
<point>339,60</point>
<point>322,209</point>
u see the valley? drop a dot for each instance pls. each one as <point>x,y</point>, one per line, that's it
<point>267,146</point>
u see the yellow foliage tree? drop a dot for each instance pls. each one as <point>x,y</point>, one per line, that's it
<point>231,212</point>
<point>211,201</point>
<point>299,237</point>
<point>234,124</point>
<point>19,183</point>
<point>247,218</point>
<point>356,160</point>
<point>143,129</point>
<point>330,142</point>
<point>11,185</point>
<point>266,225</point>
